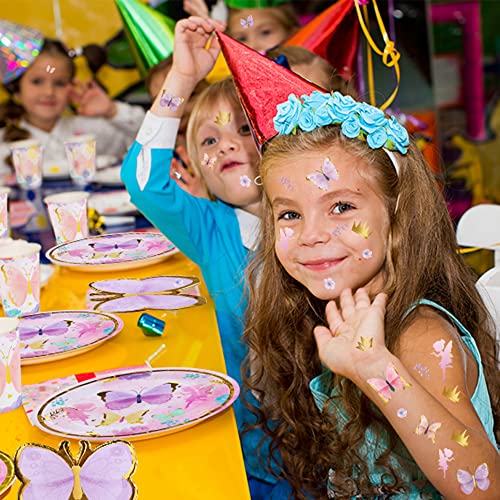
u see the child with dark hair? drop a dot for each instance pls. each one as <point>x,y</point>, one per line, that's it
<point>38,108</point>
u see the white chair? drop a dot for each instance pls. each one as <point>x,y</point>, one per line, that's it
<point>480,227</point>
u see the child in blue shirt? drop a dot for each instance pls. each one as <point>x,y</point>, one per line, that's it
<point>218,234</point>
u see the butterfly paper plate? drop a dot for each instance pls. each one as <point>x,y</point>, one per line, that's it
<point>112,252</point>
<point>60,334</point>
<point>131,295</point>
<point>7,474</point>
<point>137,405</point>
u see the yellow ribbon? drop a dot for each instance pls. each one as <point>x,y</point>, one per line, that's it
<point>463,251</point>
<point>390,55</point>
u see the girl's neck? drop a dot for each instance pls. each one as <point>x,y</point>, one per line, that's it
<point>253,208</point>
<point>45,125</point>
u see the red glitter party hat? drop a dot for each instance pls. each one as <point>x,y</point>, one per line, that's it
<point>262,84</point>
<point>332,35</point>
<point>19,47</point>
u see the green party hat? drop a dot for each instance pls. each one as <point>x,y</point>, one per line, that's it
<point>149,33</point>
<point>254,4</point>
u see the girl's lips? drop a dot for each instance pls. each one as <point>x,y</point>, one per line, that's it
<point>322,264</point>
<point>230,164</point>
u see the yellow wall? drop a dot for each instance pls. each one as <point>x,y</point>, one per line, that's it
<point>83,22</point>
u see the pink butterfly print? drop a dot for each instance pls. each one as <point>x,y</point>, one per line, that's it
<point>20,286</point>
<point>113,246</point>
<point>103,475</point>
<point>207,161</point>
<point>80,412</point>
<point>469,481</point>
<point>444,352</point>
<point>424,428</point>
<point>328,173</point>
<point>8,371</point>
<point>247,23</point>
<point>445,456</point>
<point>81,162</point>
<point>81,253</point>
<point>27,332</point>
<point>117,400</point>
<point>170,101</point>
<point>197,394</point>
<point>285,234</point>
<point>90,328</point>
<point>157,245</point>
<point>71,224</point>
<point>391,383</point>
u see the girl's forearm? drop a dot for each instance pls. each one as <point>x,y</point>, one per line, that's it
<point>438,441</point>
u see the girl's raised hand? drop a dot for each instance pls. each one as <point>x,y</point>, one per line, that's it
<point>91,100</point>
<point>355,332</point>
<point>195,47</point>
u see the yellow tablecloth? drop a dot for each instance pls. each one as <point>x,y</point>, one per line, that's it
<point>202,462</point>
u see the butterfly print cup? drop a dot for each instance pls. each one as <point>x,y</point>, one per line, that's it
<point>20,277</point>
<point>10,365</point>
<point>27,157</point>
<point>4,216</point>
<point>68,215</point>
<point>81,152</point>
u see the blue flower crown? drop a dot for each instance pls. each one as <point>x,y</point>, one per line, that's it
<point>358,120</point>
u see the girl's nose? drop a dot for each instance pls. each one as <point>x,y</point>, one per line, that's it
<point>228,144</point>
<point>313,232</point>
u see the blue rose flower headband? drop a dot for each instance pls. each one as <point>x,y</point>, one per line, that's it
<point>358,120</point>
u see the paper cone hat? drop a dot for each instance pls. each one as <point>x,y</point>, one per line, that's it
<point>19,47</point>
<point>262,84</point>
<point>149,33</point>
<point>333,35</point>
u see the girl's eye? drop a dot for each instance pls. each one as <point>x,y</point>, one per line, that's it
<point>245,129</point>
<point>341,207</point>
<point>209,141</point>
<point>61,83</point>
<point>36,81</point>
<point>266,32</point>
<point>241,39</point>
<point>289,215</point>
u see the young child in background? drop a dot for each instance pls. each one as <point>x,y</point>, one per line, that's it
<point>40,97</point>
<point>261,28</point>
<point>311,67</point>
<point>218,235</point>
<point>391,401</point>
<point>181,169</point>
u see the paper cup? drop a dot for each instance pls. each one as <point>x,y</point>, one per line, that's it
<point>10,378</point>
<point>27,157</point>
<point>20,277</point>
<point>68,215</point>
<point>4,216</point>
<point>80,151</point>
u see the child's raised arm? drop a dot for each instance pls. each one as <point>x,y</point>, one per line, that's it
<point>195,53</point>
<point>424,393</point>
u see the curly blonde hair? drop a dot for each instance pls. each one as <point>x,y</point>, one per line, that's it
<point>421,262</point>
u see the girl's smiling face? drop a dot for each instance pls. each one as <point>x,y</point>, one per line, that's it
<point>227,156</point>
<point>331,237</point>
<point>44,90</point>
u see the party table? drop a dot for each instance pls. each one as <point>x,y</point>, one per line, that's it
<point>201,462</point>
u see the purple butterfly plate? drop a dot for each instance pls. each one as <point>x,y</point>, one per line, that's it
<point>50,336</point>
<point>140,404</point>
<point>7,473</point>
<point>112,252</point>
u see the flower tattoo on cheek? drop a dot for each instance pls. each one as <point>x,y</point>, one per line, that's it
<point>329,284</point>
<point>367,254</point>
<point>245,181</point>
<point>339,230</point>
